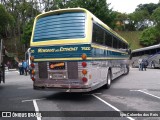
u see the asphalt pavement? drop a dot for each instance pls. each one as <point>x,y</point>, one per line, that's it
<point>135,96</point>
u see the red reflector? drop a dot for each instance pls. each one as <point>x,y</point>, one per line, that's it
<point>84,64</point>
<point>33,79</point>
<point>32,65</point>
<point>84,79</point>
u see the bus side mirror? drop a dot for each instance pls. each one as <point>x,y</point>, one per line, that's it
<point>129,51</point>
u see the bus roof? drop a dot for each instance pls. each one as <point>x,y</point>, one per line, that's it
<point>146,48</point>
<point>80,9</point>
<point>83,9</point>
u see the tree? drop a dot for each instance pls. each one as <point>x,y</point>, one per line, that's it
<point>98,7</point>
<point>26,36</point>
<point>148,7</point>
<point>123,22</point>
<point>151,35</point>
<point>6,21</point>
<point>140,19</point>
<point>148,37</point>
<point>142,15</point>
<point>156,17</point>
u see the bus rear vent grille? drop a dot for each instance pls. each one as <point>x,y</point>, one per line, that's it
<point>43,72</point>
<point>72,70</point>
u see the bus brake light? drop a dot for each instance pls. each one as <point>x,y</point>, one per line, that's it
<point>84,64</point>
<point>32,65</point>
<point>33,79</point>
<point>84,79</point>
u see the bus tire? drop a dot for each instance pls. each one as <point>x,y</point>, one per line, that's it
<point>109,79</point>
<point>127,70</point>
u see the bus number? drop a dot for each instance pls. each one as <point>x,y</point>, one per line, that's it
<point>85,48</point>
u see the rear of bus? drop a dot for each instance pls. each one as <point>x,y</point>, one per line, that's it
<point>60,50</point>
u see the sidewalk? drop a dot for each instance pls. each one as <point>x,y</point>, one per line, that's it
<point>6,70</point>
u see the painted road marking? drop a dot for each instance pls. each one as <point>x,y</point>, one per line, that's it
<point>111,106</point>
<point>36,108</point>
<point>33,99</point>
<point>35,105</point>
<point>147,93</point>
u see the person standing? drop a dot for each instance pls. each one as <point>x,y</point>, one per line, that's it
<point>25,66</point>
<point>20,67</point>
<point>145,63</point>
<point>140,65</point>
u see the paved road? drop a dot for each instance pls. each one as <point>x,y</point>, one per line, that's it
<point>138,91</point>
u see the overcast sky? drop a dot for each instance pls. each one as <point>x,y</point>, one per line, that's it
<point>128,6</point>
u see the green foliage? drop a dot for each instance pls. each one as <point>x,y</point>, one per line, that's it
<point>156,16</point>
<point>140,15</point>
<point>149,36</point>
<point>123,22</point>
<point>6,20</point>
<point>147,7</point>
<point>26,36</point>
<point>98,7</point>
<point>132,38</point>
<point>15,16</point>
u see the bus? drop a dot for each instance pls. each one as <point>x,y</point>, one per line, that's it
<point>151,54</point>
<point>73,51</point>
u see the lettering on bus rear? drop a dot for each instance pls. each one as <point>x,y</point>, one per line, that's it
<point>68,49</point>
<point>85,48</point>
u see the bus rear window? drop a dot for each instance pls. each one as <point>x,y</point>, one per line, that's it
<point>60,26</point>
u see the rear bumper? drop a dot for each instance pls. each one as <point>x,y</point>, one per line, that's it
<point>66,87</point>
<point>63,89</point>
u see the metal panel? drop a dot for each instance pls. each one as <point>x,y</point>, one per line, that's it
<point>43,71</point>
<point>72,70</point>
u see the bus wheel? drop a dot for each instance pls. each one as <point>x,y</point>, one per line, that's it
<point>109,79</point>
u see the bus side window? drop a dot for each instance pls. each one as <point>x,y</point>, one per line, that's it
<point>115,42</point>
<point>98,34</point>
<point>108,39</point>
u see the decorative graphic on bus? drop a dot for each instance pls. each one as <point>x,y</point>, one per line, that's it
<point>56,65</point>
<point>67,51</point>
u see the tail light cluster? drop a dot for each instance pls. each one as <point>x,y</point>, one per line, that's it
<point>32,68</point>
<point>84,71</point>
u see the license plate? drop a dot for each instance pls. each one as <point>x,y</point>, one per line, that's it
<point>57,76</point>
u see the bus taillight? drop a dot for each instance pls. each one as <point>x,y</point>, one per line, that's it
<point>84,72</point>
<point>84,56</point>
<point>84,79</point>
<point>84,64</point>
<point>33,72</point>
<point>32,58</point>
<point>32,65</point>
<point>33,79</point>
